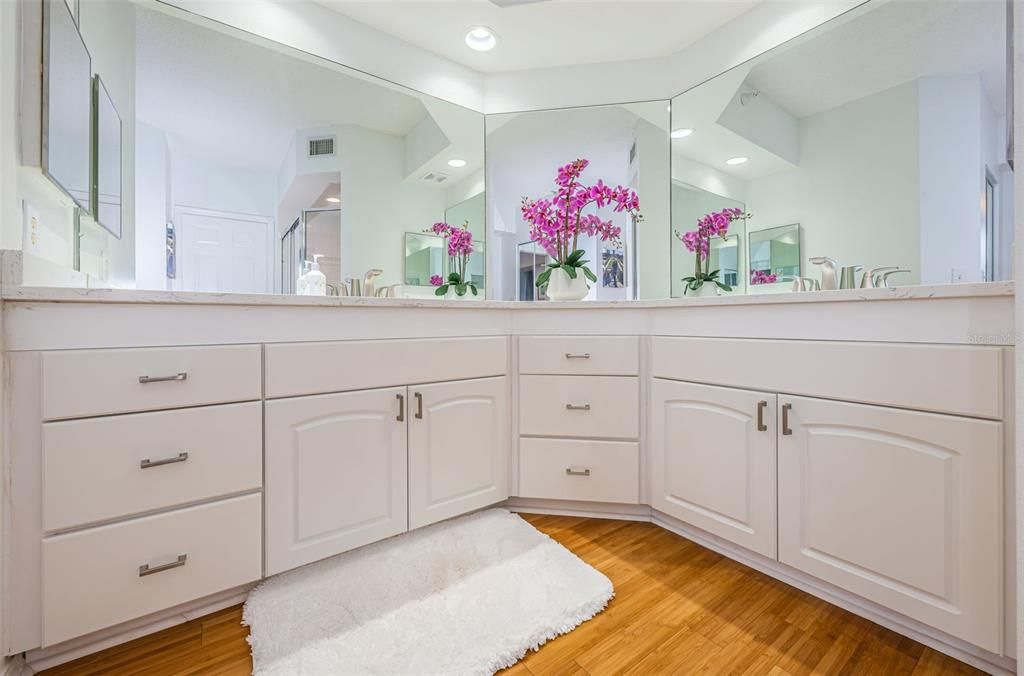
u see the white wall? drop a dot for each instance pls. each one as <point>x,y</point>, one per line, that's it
<point>205,184</point>
<point>855,193</point>
<point>152,206</point>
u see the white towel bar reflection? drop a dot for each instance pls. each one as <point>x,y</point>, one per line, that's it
<point>162,379</point>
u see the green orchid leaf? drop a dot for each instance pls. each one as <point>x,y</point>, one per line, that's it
<point>543,278</point>
<point>571,271</point>
<point>472,287</point>
<point>441,290</point>
<point>454,278</point>
<point>589,273</point>
<point>460,289</point>
<point>723,287</point>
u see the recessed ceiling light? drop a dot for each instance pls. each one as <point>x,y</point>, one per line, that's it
<point>481,38</point>
<point>457,163</point>
<point>333,200</point>
<point>736,160</point>
<point>681,133</point>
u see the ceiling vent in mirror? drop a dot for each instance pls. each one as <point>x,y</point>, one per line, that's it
<point>434,177</point>
<point>322,146</point>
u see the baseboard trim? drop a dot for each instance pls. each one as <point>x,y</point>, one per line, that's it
<point>45,658</point>
<point>905,626</point>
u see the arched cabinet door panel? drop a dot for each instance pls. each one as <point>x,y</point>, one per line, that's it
<point>901,507</point>
<point>335,474</point>
<point>458,448</point>
<point>713,460</point>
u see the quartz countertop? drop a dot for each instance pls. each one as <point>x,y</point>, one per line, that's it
<point>140,296</point>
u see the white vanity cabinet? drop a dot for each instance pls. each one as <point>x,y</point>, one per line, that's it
<point>458,448</point>
<point>335,474</point>
<point>901,507</point>
<point>712,453</point>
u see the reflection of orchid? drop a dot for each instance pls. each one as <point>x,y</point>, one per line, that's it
<point>460,246</point>
<point>556,223</point>
<point>762,277</point>
<point>715,224</point>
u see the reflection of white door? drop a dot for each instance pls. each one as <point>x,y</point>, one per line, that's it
<point>222,252</point>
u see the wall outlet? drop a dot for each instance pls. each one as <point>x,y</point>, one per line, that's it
<point>31,226</point>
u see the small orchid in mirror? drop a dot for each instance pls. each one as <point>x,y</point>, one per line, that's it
<point>762,277</point>
<point>460,247</point>
<point>557,222</point>
<point>715,224</point>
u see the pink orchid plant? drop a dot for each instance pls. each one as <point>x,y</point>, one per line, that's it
<point>762,277</point>
<point>715,224</point>
<point>558,222</point>
<point>460,246</point>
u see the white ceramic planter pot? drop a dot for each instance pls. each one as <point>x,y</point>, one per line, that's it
<point>563,287</point>
<point>706,290</point>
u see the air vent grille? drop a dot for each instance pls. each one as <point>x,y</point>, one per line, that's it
<point>434,177</point>
<point>322,146</point>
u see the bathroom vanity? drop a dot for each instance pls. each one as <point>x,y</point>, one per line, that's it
<point>167,451</point>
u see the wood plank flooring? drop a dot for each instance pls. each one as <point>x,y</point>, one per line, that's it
<point>678,609</point>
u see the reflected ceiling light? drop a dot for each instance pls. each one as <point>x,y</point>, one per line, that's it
<point>733,161</point>
<point>681,133</point>
<point>333,200</point>
<point>457,163</point>
<point>481,38</point>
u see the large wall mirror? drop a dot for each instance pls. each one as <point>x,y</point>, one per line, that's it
<point>882,134</point>
<point>251,158</point>
<point>626,145</point>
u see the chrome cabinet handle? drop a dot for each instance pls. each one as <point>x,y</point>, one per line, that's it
<point>577,472</point>
<point>761,427</point>
<point>146,463</point>
<point>419,406</point>
<point>145,568</point>
<point>401,407</point>
<point>162,379</point>
<point>570,355</point>
<point>786,408</point>
<point>575,407</point>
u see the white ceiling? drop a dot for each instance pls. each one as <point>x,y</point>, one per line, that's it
<point>895,42</point>
<point>549,33</point>
<point>240,103</point>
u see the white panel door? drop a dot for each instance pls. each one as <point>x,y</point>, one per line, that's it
<point>335,474</point>
<point>901,507</point>
<point>713,460</point>
<point>458,448</point>
<point>221,252</point>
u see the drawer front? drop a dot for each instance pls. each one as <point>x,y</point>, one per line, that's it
<point>93,579</point>
<point>295,369</point>
<point>104,468</point>
<point>579,406</point>
<point>79,383</point>
<point>571,469</point>
<point>580,355</point>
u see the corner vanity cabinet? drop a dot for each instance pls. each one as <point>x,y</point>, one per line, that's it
<point>901,507</point>
<point>349,468</point>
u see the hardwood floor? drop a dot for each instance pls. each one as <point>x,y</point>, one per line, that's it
<point>678,609</point>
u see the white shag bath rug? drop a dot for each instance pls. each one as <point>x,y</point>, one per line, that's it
<point>463,597</point>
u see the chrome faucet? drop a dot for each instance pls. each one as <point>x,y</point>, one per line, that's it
<point>872,279</point>
<point>884,277</point>
<point>368,285</point>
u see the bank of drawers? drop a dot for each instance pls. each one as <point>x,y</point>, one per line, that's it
<point>579,418</point>
<point>146,510</point>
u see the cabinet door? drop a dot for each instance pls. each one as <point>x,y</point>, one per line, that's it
<point>458,448</point>
<point>335,474</point>
<point>713,460</point>
<point>900,507</point>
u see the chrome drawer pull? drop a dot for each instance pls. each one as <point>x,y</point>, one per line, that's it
<point>162,379</point>
<point>761,406</point>
<point>570,355</point>
<point>786,430</point>
<point>147,463</point>
<point>577,472</point>
<point>574,407</point>
<point>145,570</point>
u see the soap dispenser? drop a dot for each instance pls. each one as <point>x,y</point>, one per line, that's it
<point>316,281</point>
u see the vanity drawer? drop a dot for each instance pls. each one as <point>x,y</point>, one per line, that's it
<point>80,383</point>
<point>104,468</point>
<point>580,355</point>
<point>94,579</point>
<point>295,369</point>
<point>571,469</point>
<point>579,406</point>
